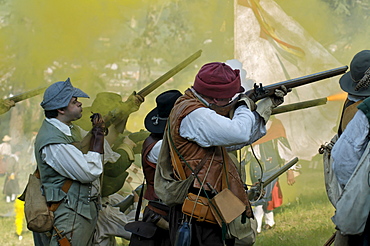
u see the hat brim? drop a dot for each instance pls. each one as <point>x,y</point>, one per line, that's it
<point>148,122</point>
<point>6,138</point>
<point>78,93</point>
<point>347,84</point>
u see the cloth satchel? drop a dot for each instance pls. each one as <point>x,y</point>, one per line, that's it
<point>170,190</point>
<point>195,206</point>
<point>39,216</point>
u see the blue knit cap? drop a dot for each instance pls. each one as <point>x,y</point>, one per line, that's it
<point>59,94</point>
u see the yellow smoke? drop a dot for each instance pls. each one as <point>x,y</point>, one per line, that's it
<point>19,216</point>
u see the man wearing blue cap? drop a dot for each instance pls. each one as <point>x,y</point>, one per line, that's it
<point>60,162</point>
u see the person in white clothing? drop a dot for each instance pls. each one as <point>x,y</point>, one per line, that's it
<point>202,135</point>
<point>64,155</point>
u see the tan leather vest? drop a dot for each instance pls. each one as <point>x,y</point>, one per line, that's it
<point>348,114</point>
<point>193,154</point>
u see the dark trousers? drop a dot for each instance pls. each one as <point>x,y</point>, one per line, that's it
<point>203,233</point>
<point>161,236</point>
<point>363,239</point>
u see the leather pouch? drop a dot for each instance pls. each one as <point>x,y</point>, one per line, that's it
<point>201,207</point>
<point>229,206</point>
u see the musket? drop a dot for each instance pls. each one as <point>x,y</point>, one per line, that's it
<point>156,83</point>
<point>256,189</point>
<point>299,105</point>
<point>26,95</point>
<point>4,107</point>
<point>117,114</point>
<point>259,91</point>
<point>283,169</point>
<point>129,200</point>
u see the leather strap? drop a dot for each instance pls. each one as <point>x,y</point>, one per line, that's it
<point>157,210</point>
<point>67,184</point>
<point>225,171</point>
<point>203,161</point>
<point>176,163</point>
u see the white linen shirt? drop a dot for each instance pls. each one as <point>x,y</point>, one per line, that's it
<point>348,149</point>
<point>154,152</point>
<point>70,162</point>
<point>207,128</point>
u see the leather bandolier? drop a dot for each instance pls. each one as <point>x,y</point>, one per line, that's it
<point>193,154</point>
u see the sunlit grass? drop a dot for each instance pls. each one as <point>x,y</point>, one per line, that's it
<point>303,219</point>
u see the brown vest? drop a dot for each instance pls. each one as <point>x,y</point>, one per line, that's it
<point>193,153</point>
<point>149,168</point>
<point>349,111</point>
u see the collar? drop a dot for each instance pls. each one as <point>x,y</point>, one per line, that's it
<point>356,98</point>
<point>199,97</point>
<point>61,126</point>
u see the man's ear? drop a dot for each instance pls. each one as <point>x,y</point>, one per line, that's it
<point>61,111</point>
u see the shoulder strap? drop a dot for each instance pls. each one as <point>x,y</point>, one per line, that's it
<point>225,172</point>
<point>176,163</point>
<point>67,184</point>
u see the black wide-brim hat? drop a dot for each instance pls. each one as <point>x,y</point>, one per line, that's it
<point>155,121</point>
<point>359,65</point>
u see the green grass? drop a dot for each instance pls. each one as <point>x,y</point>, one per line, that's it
<point>7,223</point>
<point>303,219</point>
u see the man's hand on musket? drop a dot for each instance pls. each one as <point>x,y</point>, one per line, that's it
<point>278,97</point>
<point>6,105</point>
<point>256,192</point>
<point>265,106</point>
<point>133,102</point>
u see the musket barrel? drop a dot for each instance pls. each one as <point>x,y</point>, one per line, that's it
<point>260,92</point>
<point>279,172</point>
<point>115,114</point>
<point>299,105</point>
<point>28,94</point>
<point>156,83</point>
<point>129,200</point>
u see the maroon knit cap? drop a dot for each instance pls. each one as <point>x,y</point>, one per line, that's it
<point>218,80</point>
